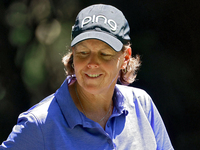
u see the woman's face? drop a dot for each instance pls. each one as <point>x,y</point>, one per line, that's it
<point>97,65</point>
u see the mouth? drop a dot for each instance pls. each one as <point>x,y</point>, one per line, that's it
<point>93,75</point>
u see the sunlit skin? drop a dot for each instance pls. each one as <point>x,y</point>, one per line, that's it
<point>96,65</point>
<point>97,68</point>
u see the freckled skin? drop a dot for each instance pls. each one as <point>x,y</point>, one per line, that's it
<point>95,58</point>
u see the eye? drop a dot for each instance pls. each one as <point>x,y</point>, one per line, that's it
<point>83,52</point>
<point>106,54</point>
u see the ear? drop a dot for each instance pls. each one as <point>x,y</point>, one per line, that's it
<point>127,56</point>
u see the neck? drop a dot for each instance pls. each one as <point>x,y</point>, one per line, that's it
<point>97,107</point>
<point>93,102</point>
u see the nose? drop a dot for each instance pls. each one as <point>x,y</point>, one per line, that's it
<point>92,66</point>
<point>93,61</point>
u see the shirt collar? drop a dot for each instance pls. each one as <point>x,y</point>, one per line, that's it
<point>67,106</point>
<point>73,115</point>
<point>120,102</point>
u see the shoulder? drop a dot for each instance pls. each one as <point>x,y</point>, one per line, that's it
<point>132,92</point>
<point>28,129</point>
<point>38,113</point>
<point>137,98</point>
<point>127,89</point>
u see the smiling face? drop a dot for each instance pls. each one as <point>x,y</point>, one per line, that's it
<point>97,66</point>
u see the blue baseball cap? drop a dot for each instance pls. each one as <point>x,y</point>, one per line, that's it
<point>102,22</point>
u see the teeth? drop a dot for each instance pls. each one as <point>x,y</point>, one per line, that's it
<point>93,75</point>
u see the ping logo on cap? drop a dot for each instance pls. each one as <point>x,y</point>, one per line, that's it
<point>95,19</point>
<point>101,22</point>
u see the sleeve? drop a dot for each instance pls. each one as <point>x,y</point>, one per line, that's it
<point>156,122</point>
<point>26,134</point>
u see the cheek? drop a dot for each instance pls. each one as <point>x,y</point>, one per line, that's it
<point>77,66</point>
<point>115,66</point>
<point>78,62</point>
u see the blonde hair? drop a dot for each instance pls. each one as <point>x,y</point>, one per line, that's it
<point>126,76</point>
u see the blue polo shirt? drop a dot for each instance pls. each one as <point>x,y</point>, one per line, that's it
<point>56,124</point>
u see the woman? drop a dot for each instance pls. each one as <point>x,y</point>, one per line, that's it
<point>89,110</point>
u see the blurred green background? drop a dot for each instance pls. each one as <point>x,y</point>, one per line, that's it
<point>36,34</point>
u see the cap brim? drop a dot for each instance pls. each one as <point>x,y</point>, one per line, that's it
<point>105,37</point>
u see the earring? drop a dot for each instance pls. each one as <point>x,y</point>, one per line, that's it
<point>124,71</point>
<point>72,65</point>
